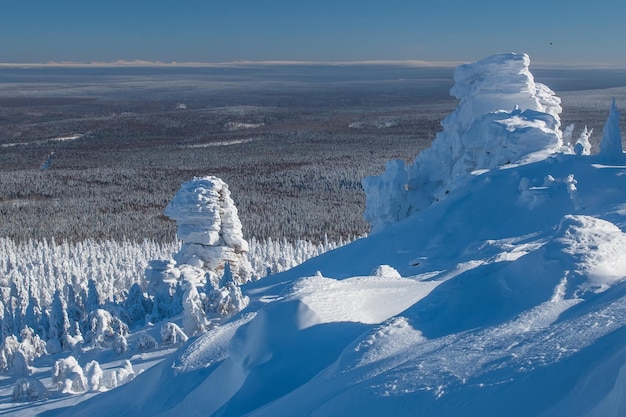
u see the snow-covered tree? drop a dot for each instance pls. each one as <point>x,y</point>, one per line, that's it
<point>172,334</point>
<point>59,325</point>
<point>226,298</point>
<point>162,277</point>
<point>105,330</point>
<point>611,144</point>
<point>583,146</point>
<point>136,305</point>
<point>194,318</point>
<point>93,301</point>
<point>8,323</point>
<point>125,373</point>
<point>94,375</point>
<point>67,376</point>
<point>145,342</point>
<point>119,344</point>
<point>43,327</point>
<point>8,348</point>
<point>20,367</point>
<point>32,346</point>
<point>75,309</point>
<point>32,315</point>
<point>29,389</point>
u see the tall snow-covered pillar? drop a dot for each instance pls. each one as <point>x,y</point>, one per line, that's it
<point>209,226</point>
<point>611,145</point>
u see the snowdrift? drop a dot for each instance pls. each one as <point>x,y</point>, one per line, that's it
<point>494,285</point>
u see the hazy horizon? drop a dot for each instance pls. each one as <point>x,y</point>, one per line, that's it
<point>555,33</point>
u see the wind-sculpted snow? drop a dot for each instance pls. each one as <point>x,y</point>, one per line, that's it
<point>505,298</point>
<point>503,117</point>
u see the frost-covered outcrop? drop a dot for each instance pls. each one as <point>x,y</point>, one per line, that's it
<point>503,117</point>
<point>209,226</point>
<point>213,254</point>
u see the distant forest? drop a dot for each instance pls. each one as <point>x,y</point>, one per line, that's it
<point>97,154</point>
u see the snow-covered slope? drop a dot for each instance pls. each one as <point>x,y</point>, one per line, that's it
<point>505,296</point>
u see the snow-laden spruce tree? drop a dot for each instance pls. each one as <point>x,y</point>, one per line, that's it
<point>583,146</point>
<point>226,298</point>
<point>67,376</point>
<point>136,305</point>
<point>29,389</point>
<point>59,325</point>
<point>93,374</point>
<point>611,144</point>
<point>105,330</point>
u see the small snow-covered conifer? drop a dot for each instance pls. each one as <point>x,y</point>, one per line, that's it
<point>136,305</point>
<point>20,367</point>
<point>67,376</point>
<point>172,334</point>
<point>145,342</point>
<point>8,348</point>
<point>583,146</point>
<point>105,330</point>
<point>32,315</point>
<point>125,373</point>
<point>93,297</point>
<point>29,389</point>
<point>59,322</point>
<point>194,319</point>
<point>94,374</point>
<point>611,145</point>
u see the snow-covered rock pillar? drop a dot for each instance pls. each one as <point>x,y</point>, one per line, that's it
<point>210,229</point>
<point>213,249</point>
<point>503,117</point>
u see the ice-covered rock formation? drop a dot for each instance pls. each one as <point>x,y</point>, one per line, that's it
<point>503,117</point>
<point>213,247</point>
<point>209,226</point>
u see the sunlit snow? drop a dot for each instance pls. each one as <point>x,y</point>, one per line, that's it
<point>483,291</point>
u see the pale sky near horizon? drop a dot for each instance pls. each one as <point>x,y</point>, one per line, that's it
<point>550,31</point>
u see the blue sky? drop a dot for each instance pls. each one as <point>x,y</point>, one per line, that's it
<point>551,31</point>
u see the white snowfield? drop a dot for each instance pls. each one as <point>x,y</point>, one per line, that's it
<point>494,285</point>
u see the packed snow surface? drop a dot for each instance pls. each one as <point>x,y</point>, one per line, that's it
<point>494,285</point>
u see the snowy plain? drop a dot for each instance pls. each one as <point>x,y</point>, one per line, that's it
<point>494,284</point>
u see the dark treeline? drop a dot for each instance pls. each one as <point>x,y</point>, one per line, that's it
<point>293,151</point>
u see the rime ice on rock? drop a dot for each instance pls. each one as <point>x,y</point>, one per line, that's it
<point>213,246</point>
<point>209,226</point>
<point>503,117</point>
<point>611,145</point>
